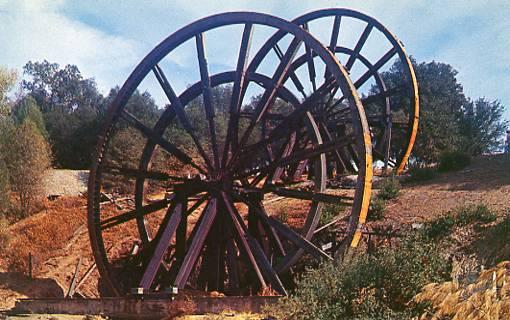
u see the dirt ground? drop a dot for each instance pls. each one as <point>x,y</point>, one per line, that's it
<point>65,182</point>
<point>486,180</point>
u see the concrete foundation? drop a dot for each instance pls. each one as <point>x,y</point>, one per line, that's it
<point>143,308</point>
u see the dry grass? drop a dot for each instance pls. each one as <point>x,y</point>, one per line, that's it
<point>487,298</point>
<point>43,234</point>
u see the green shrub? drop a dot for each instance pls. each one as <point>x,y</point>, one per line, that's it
<point>461,216</point>
<point>417,173</point>
<point>329,212</point>
<point>376,209</point>
<point>453,161</point>
<point>377,286</point>
<point>474,213</point>
<point>389,189</point>
<point>494,244</point>
<point>440,227</point>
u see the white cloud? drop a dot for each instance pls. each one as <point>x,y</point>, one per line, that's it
<point>36,30</point>
<point>106,39</point>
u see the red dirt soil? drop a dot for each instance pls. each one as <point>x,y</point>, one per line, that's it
<point>57,236</point>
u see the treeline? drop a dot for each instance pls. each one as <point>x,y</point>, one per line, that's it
<point>449,120</point>
<point>55,117</point>
<point>52,121</point>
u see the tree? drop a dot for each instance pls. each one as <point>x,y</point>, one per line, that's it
<point>4,186</point>
<point>7,80</point>
<point>27,109</point>
<point>71,107</point>
<point>442,102</point>
<point>27,158</point>
<point>60,88</point>
<point>482,126</point>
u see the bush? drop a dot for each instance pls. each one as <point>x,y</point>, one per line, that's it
<point>390,189</point>
<point>4,233</point>
<point>417,173</point>
<point>494,244</point>
<point>474,213</point>
<point>377,286</point>
<point>376,209</point>
<point>461,216</point>
<point>440,227</point>
<point>329,212</point>
<point>453,161</point>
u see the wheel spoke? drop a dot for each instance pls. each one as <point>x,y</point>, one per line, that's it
<point>306,195</point>
<point>290,234</point>
<point>333,40</point>
<point>357,49</point>
<point>237,92</point>
<point>334,33</point>
<point>293,77</point>
<point>290,124</point>
<point>157,139</point>
<point>270,93</point>
<point>133,214</point>
<point>242,236</point>
<point>373,70</point>
<point>207,95</point>
<point>306,153</point>
<point>165,233</point>
<point>197,244</point>
<point>212,266</point>
<point>310,63</point>
<point>381,95</point>
<point>268,270</point>
<point>181,114</point>
<point>232,265</point>
<point>336,153</point>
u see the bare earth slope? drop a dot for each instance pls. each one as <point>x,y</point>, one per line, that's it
<point>57,235</point>
<point>486,180</point>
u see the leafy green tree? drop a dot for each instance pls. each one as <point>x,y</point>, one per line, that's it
<point>442,102</point>
<point>27,109</point>
<point>65,88</point>
<point>71,107</point>
<point>482,126</point>
<point>27,158</point>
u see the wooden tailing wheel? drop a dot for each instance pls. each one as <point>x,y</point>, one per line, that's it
<point>205,181</point>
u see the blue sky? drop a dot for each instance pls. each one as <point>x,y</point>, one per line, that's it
<point>106,39</point>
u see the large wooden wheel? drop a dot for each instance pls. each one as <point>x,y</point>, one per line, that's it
<point>205,179</point>
<point>367,50</point>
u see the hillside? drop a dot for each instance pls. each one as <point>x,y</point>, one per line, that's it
<point>57,236</point>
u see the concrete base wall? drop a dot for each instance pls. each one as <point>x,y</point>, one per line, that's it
<point>143,308</point>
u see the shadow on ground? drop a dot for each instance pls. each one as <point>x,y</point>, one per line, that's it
<point>18,285</point>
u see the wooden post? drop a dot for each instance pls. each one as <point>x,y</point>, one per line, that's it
<point>70,293</point>
<point>30,266</point>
